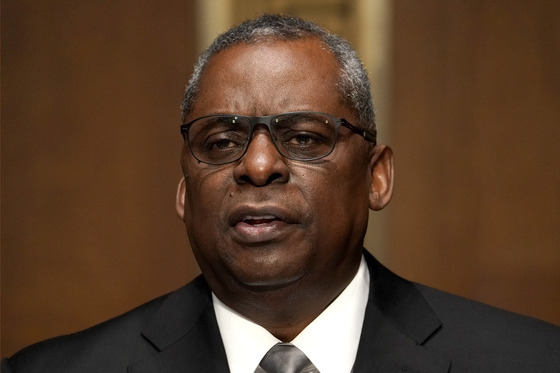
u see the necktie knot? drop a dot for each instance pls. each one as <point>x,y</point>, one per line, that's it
<point>285,358</point>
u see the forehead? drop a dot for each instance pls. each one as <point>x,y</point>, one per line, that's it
<point>270,77</point>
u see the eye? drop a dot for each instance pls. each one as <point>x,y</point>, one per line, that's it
<point>224,141</point>
<point>302,139</point>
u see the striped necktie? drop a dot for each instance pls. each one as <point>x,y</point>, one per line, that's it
<point>285,358</point>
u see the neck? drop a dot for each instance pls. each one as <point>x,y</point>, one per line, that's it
<point>285,311</point>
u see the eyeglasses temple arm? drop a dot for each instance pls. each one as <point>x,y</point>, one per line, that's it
<point>371,137</point>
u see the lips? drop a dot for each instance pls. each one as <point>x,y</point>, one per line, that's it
<point>260,224</point>
<point>260,214</point>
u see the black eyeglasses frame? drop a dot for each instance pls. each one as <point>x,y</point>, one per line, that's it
<point>267,121</point>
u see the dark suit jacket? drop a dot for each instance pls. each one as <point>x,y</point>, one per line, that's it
<point>407,328</point>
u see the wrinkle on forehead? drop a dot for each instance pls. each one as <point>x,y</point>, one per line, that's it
<point>268,78</point>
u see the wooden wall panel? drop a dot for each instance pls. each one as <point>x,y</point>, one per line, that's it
<point>475,129</point>
<point>90,150</point>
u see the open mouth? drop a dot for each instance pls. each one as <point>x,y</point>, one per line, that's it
<point>260,220</point>
<point>258,225</point>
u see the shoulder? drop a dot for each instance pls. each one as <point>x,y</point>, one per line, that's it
<point>110,342</point>
<point>475,333</point>
<point>472,336</point>
<point>109,346</point>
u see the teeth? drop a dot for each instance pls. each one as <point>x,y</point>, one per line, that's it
<point>263,217</point>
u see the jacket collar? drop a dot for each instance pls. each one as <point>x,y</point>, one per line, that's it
<point>398,322</point>
<point>185,335</point>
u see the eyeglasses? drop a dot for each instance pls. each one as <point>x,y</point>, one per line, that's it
<point>302,136</point>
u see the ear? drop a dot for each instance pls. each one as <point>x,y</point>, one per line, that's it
<point>180,198</point>
<point>381,168</point>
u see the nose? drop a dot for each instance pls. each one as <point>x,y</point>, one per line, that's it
<point>261,164</point>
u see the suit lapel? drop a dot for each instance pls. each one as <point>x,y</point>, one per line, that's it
<point>185,335</point>
<point>397,323</point>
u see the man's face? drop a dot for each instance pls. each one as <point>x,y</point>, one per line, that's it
<point>266,222</point>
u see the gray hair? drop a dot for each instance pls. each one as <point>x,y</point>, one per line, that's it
<point>354,86</point>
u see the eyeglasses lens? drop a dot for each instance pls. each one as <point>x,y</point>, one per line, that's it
<point>300,136</point>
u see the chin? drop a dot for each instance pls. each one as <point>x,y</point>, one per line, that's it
<point>268,282</point>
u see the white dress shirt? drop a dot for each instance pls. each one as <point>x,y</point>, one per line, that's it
<point>330,341</point>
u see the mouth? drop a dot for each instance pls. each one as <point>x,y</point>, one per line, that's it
<point>253,225</point>
<point>259,220</point>
<point>258,215</point>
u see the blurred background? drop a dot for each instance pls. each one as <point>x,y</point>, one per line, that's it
<point>466,92</point>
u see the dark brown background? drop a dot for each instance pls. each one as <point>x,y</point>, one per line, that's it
<point>90,149</point>
<point>476,132</point>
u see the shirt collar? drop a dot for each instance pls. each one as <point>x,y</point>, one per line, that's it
<point>330,341</point>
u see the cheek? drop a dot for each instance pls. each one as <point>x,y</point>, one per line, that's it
<point>342,197</point>
<point>335,182</point>
<point>204,194</point>
<point>335,195</point>
<point>204,199</point>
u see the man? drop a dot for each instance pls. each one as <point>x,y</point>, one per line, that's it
<point>280,166</point>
